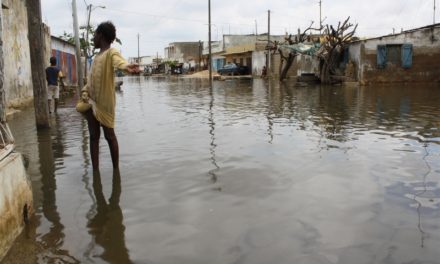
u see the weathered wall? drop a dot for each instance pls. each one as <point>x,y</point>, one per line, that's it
<point>15,195</point>
<point>425,59</point>
<point>66,59</point>
<point>184,51</point>
<point>307,64</point>
<point>18,79</point>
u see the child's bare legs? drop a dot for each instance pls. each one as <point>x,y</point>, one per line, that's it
<point>110,136</point>
<point>95,133</point>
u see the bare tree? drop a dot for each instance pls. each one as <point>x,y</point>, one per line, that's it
<point>287,50</point>
<point>335,41</point>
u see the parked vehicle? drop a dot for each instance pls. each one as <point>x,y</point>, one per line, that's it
<point>233,69</point>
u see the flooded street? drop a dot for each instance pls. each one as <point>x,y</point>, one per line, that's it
<point>246,172</point>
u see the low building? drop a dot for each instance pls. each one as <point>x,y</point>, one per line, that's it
<point>146,62</point>
<point>410,56</point>
<point>188,53</point>
<point>246,50</point>
<point>65,52</point>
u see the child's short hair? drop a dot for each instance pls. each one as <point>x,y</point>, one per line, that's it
<point>107,30</point>
<point>53,61</point>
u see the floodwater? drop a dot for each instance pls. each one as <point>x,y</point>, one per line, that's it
<point>246,172</point>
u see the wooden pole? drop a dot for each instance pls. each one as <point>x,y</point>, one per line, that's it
<point>78,49</point>
<point>36,41</point>
<point>268,43</point>
<point>138,60</point>
<point>209,42</point>
<point>86,48</point>
<point>2,77</point>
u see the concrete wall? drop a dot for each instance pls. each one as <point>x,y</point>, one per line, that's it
<point>425,59</point>
<point>15,196</point>
<point>183,51</point>
<point>18,78</point>
<point>306,64</point>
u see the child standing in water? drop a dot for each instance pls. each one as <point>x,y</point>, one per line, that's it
<point>101,92</point>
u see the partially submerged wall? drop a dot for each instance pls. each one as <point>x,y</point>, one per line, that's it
<point>425,57</point>
<point>15,200</point>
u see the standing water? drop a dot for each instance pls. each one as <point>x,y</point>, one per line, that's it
<point>246,172</point>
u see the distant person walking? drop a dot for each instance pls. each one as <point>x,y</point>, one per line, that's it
<point>264,72</point>
<point>53,73</point>
<point>101,91</point>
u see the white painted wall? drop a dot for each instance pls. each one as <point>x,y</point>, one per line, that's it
<point>307,64</point>
<point>258,61</point>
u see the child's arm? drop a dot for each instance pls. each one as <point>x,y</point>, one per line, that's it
<point>119,62</point>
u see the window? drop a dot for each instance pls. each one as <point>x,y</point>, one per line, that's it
<point>396,54</point>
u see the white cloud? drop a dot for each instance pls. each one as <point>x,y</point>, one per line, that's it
<point>160,22</point>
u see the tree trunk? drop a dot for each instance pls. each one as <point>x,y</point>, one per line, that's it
<point>36,44</point>
<point>286,68</point>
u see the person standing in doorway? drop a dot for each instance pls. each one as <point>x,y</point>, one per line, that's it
<point>53,90</point>
<point>101,91</point>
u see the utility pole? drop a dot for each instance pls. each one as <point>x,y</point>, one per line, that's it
<point>139,61</point>
<point>209,40</point>
<point>433,21</point>
<point>87,53</point>
<point>199,68</point>
<point>268,43</point>
<point>2,78</point>
<point>320,17</point>
<point>86,48</point>
<point>78,48</point>
<point>36,41</point>
<point>256,28</point>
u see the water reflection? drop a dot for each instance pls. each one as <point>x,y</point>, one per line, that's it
<point>52,241</point>
<point>106,226</point>
<point>212,147</point>
<point>295,175</point>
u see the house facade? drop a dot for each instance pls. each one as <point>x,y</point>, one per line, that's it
<point>187,53</point>
<point>410,56</point>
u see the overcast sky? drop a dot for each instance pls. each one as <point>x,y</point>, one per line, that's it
<point>159,22</point>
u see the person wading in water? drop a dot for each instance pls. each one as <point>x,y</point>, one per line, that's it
<point>101,92</point>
